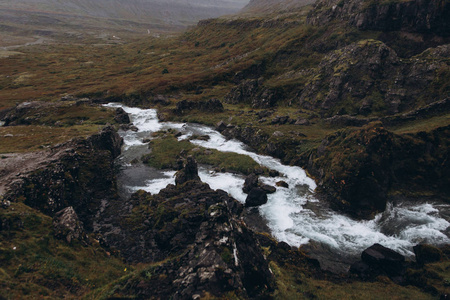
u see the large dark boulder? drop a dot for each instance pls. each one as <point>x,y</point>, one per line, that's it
<point>256,197</point>
<point>268,188</point>
<point>121,116</point>
<point>385,259</point>
<point>107,139</point>
<point>379,260</point>
<point>251,181</point>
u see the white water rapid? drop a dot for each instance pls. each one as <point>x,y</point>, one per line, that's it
<point>292,214</point>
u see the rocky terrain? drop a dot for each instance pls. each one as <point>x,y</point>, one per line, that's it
<point>268,6</point>
<point>356,92</point>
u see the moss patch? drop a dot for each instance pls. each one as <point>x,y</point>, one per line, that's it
<point>166,151</point>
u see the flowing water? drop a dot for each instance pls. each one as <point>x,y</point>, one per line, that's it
<point>293,214</point>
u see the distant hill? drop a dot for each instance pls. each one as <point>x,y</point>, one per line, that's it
<point>50,18</point>
<point>179,12</point>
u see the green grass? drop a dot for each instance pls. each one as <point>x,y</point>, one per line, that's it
<point>166,151</point>
<point>35,264</point>
<point>427,124</point>
<point>52,124</point>
<point>294,283</point>
<point>32,138</point>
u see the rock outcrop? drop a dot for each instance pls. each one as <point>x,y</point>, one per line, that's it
<point>189,171</point>
<point>198,236</point>
<point>212,105</point>
<point>79,173</point>
<point>253,92</point>
<point>411,16</point>
<point>67,226</point>
<point>357,168</point>
<point>368,78</point>
<point>25,113</point>
<point>257,191</point>
<point>248,135</point>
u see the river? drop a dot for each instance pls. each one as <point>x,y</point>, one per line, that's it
<point>293,214</point>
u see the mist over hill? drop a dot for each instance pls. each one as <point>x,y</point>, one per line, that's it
<point>30,18</point>
<point>180,12</point>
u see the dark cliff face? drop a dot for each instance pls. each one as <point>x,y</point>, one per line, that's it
<point>356,168</point>
<point>423,16</point>
<point>79,173</point>
<point>369,78</point>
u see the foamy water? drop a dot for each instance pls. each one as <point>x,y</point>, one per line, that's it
<point>399,228</point>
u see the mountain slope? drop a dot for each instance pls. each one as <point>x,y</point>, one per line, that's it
<point>270,6</point>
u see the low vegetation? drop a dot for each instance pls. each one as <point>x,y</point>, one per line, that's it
<point>203,63</point>
<point>36,264</point>
<point>167,150</point>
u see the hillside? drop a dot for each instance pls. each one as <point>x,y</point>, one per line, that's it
<point>271,6</point>
<point>354,92</point>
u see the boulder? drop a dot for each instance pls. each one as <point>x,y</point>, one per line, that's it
<point>256,197</point>
<point>221,126</point>
<point>379,260</point>
<point>380,257</point>
<point>251,181</point>
<point>274,173</point>
<point>282,183</point>
<point>281,120</point>
<point>285,246</point>
<point>188,172</point>
<point>301,121</point>
<point>121,116</point>
<point>268,188</point>
<point>68,227</point>
<point>108,139</point>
